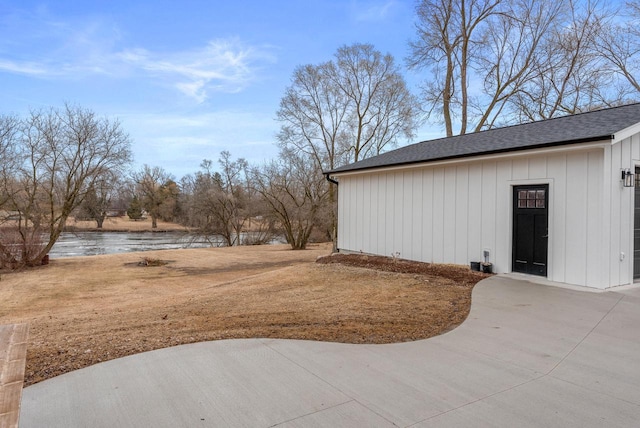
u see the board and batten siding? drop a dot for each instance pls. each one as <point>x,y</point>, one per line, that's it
<point>453,211</point>
<point>618,211</point>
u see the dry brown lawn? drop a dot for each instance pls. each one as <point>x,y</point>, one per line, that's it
<point>85,310</point>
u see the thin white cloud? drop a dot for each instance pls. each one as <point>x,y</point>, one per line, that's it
<point>221,65</point>
<point>75,50</point>
<point>376,12</point>
<point>35,43</point>
<point>195,89</point>
<point>18,67</point>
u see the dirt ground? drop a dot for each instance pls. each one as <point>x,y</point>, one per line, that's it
<point>85,310</point>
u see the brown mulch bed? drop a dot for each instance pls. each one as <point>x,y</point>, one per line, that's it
<point>460,274</point>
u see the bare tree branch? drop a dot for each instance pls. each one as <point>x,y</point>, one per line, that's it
<point>58,155</point>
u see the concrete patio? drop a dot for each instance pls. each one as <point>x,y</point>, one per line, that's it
<point>528,355</point>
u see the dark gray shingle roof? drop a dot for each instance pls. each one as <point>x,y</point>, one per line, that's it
<point>573,129</point>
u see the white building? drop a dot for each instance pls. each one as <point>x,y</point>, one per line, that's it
<point>545,198</point>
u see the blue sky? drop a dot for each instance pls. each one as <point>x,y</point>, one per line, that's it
<point>187,79</point>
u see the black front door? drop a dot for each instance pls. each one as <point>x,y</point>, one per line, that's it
<point>530,229</point>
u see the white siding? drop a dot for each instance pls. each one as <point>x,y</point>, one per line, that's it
<point>427,214</point>
<point>437,207</point>
<point>618,211</point>
<point>474,222</point>
<point>488,211</point>
<point>501,250</point>
<point>416,219</point>
<point>461,215</point>
<point>576,231</point>
<point>451,213</point>
<point>557,168</point>
<point>595,235</point>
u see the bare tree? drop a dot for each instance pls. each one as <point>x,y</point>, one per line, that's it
<point>619,46</point>
<point>9,144</point>
<point>59,155</point>
<point>9,135</point>
<point>313,113</point>
<point>448,34</point>
<point>500,61</point>
<point>219,201</point>
<point>296,193</point>
<point>380,107</point>
<point>157,190</point>
<point>569,76</point>
<point>347,109</point>
<point>511,55</point>
<point>233,202</point>
<point>198,199</point>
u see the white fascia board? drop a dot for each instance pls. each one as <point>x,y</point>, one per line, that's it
<point>626,133</point>
<point>462,160</point>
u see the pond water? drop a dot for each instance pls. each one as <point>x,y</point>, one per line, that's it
<point>72,244</point>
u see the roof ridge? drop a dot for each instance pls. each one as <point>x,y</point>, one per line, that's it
<point>582,113</point>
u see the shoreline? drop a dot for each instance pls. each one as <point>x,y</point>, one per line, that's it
<point>123,225</point>
<point>74,229</point>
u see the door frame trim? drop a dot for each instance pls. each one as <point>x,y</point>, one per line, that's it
<point>550,213</point>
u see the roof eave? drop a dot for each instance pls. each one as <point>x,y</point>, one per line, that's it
<point>476,154</point>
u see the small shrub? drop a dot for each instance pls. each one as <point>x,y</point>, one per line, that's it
<point>19,246</point>
<point>148,261</point>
